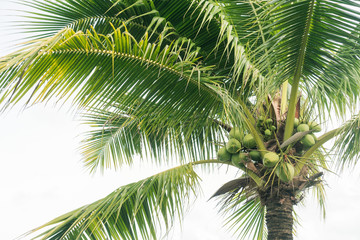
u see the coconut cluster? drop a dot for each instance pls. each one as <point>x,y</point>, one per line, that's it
<point>266,127</point>
<point>241,148</point>
<point>309,139</point>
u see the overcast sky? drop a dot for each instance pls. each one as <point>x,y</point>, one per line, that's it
<point>42,177</point>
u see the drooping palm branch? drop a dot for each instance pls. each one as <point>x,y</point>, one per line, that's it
<point>137,210</point>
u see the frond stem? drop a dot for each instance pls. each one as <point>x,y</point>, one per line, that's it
<point>289,127</point>
<point>323,139</point>
<point>247,112</point>
<point>256,179</point>
<point>112,53</point>
<point>284,90</point>
<point>225,126</point>
<point>251,123</point>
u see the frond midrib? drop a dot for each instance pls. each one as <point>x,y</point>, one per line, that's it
<point>298,72</point>
<point>105,145</point>
<point>111,53</point>
<point>127,21</point>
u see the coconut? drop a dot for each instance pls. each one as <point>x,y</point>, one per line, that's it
<point>273,128</point>
<point>308,141</point>
<point>270,159</point>
<point>255,155</point>
<point>224,155</point>
<point>233,146</point>
<point>249,141</point>
<point>238,159</point>
<point>315,126</point>
<point>267,132</point>
<point>236,133</point>
<point>313,135</point>
<point>296,122</point>
<point>303,127</point>
<point>269,121</point>
<point>285,172</point>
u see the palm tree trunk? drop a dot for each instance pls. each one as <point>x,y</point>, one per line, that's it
<point>279,219</point>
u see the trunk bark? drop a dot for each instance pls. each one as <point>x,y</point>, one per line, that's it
<point>279,219</point>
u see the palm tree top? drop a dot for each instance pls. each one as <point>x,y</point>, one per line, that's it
<point>168,80</point>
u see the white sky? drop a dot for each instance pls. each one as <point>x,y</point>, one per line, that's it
<point>42,177</point>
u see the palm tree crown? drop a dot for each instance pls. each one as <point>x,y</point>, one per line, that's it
<point>196,82</point>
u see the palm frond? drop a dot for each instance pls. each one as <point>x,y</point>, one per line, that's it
<point>246,215</point>
<point>240,202</point>
<point>337,88</point>
<point>319,193</point>
<point>117,138</point>
<point>137,210</point>
<point>183,115</point>
<point>116,68</point>
<point>313,42</point>
<point>244,74</point>
<point>317,164</point>
<point>347,143</point>
<point>248,20</point>
<point>203,22</point>
<point>49,17</point>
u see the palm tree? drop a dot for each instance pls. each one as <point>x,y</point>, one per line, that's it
<point>182,81</point>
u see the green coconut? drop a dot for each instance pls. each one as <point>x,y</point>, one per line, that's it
<point>285,172</point>
<point>239,159</point>
<point>249,141</point>
<point>313,135</point>
<point>270,159</point>
<point>236,133</point>
<point>308,141</point>
<point>315,126</point>
<point>233,146</point>
<point>303,127</point>
<point>269,121</point>
<point>255,155</point>
<point>273,128</point>
<point>296,122</point>
<point>224,155</point>
<point>267,132</point>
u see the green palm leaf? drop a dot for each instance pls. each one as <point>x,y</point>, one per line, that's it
<point>51,17</point>
<point>118,138</point>
<point>308,43</point>
<point>249,220</point>
<point>245,213</point>
<point>137,210</point>
<point>105,76</point>
<point>116,68</point>
<point>347,143</point>
<point>249,21</point>
<point>202,22</point>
